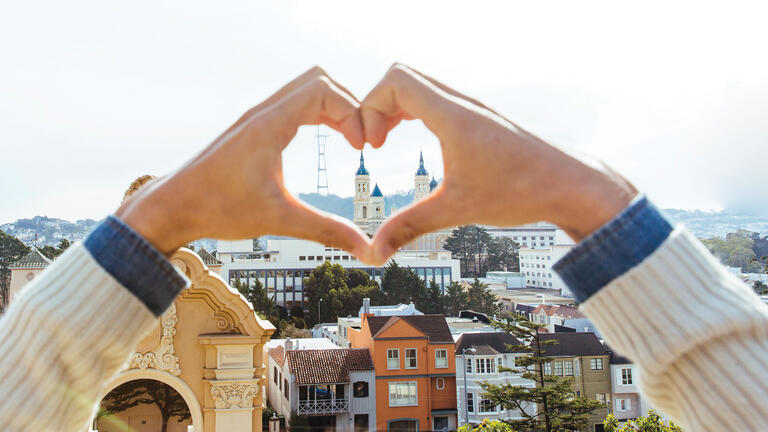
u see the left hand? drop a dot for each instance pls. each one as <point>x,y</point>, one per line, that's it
<point>234,188</point>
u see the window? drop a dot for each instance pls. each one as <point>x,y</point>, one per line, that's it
<point>499,361</point>
<point>285,389</point>
<point>410,358</point>
<point>626,376</point>
<point>311,258</point>
<point>469,366</point>
<point>274,375</point>
<point>558,368</point>
<point>470,402</point>
<point>568,367</point>
<point>441,358</point>
<point>402,394</point>
<point>393,359</point>
<point>302,258</point>
<point>596,364</point>
<point>360,389</point>
<point>623,404</point>
<point>486,405</point>
<point>548,368</point>
<point>602,398</point>
<point>440,383</point>
<point>576,367</point>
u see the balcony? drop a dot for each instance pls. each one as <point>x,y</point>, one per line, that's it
<point>323,407</point>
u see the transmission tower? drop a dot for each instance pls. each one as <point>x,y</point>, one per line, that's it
<point>322,173</point>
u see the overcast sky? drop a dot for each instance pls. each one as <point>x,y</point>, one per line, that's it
<point>94,94</point>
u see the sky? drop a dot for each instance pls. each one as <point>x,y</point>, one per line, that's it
<point>674,95</point>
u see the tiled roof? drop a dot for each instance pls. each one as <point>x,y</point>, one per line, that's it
<point>573,344</point>
<point>433,326</point>
<point>327,366</point>
<point>487,343</point>
<point>278,354</point>
<point>208,259</point>
<point>34,259</point>
<point>560,310</point>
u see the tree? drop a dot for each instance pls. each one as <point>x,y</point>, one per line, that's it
<point>54,251</point>
<point>479,239</point>
<point>469,244</point>
<point>257,296</point>
<point>146,391</point>
<point>487,426</point>
<point>402,285</point>
<point>503,254</point>
<point>432,302</point>
<point>11,250</point>
<point>759,287</point>
<point>652,422</point>
<point>558,407</point>
<point>460,246</point>
<point>739,249</point>
<point>482,300</point>
<point>455,299</point>
<point>289,330</point>
<point>338,292</point>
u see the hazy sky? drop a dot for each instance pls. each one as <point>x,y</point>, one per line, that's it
<point>94,94</point>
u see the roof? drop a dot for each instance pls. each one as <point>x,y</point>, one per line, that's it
<point>421,171</point>
<point>432,184</point>
<point>559,310</point>
<point>573,344</point>
<point>327,366</point>
<point>208,259</point>
<point>524,308</point>
<point>361,170</point>
<point>34,259</point>
<point>433,326</point>
<point>377,191</point>
<point>487,343</point>
<point>278,355</point>
<point>617,358</point>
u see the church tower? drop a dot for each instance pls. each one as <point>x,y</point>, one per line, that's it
<point>421,181</point>
<point>376,216</point>
<point>362,201</point>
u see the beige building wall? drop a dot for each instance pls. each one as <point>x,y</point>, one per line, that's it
<point>20,277</point>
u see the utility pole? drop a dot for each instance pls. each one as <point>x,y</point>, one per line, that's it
<point>322,173</point>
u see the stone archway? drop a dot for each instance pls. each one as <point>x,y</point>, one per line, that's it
<point>164,377</point>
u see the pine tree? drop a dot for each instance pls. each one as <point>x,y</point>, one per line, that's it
<point>401,284</point>
<point>558,407</point>
<point>455,299</point>
<point>146,391</point>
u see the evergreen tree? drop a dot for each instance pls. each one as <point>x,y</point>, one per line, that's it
<point>432,302</point>
<point>262,304</point>
<point>401,284</point>
<point>146,391</point>
<point>503,254</point>
<point>558,407</point>
<point>652,422</point>
<point>460,246</point>
<point>11,250</point>
<point>52,252</point>
<point>455,299</point>
<point>341,291</point>
<point>480,299</point>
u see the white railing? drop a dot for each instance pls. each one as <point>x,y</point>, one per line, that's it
<point>322,407</point>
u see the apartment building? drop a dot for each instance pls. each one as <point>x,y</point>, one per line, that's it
<point>581,356</point>
<point>332,387</point>
<point>536,264</point>
<point>478,359</point>
<point>415,371</point>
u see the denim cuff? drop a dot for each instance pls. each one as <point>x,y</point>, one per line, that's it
<point>614,249</point>
<point>135,264</point>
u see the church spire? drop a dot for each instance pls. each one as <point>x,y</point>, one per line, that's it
<point>362,170</point>
<point>421,171</point>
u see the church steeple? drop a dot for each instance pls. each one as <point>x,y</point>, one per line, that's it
<point>421,171</point>
<point>361,170</point>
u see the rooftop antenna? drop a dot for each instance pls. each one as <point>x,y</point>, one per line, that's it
<point>322,173</point>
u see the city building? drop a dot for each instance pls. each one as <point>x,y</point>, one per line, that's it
<point>415,371</point>
<point>550,315</point>
<point>583,357</point>
<point>628,402</point>
<point>478,358</point>
<point>535,235</point>
<point>512,299</point>
<point>284,264</point>
<point>24,270</point>
<point>536,263</point>
<point>328,331</point>
<point>332,387</point>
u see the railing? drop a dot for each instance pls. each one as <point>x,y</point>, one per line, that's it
<point>322,407</point>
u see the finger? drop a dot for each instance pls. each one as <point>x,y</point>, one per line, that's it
<point>319,101</point>
<point>423,217</point>
<point>309,223</point>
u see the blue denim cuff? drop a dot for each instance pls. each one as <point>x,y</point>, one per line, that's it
<point>135,263</point>
<point>614,249</point>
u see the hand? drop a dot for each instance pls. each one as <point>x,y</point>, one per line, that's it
<point>494,172</point>
<point>234,189</point>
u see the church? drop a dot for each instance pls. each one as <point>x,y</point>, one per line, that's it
<point>369,211</point>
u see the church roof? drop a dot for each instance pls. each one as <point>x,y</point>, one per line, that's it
<point>432,184</point>
<point>377,191</point>
<point>362,170</point>
<point>207,258</point>
<point>421,170</point>
<point>34,259</point>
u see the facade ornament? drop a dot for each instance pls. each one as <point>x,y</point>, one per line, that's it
<point>231,395</point>
<point>164,356</point>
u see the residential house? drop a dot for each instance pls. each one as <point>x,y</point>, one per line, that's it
<point>415,371</point>
<point>333,388</point>
<point>581,356</point>
<point>478,359</point>
<point>628,403</point>
<point>387,310</point>
<point>550,315</point>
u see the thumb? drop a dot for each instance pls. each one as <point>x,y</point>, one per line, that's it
<point>423,217</point>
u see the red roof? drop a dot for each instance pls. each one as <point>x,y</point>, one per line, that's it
<point>278,354</point>
<point>327,366</point>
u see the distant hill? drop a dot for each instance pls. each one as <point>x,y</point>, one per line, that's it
<point>707,224</point>
<point>342,206</point>
<point>49,230</point>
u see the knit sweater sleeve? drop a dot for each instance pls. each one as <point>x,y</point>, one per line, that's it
<point>697,333</point>
<point>74,326</point>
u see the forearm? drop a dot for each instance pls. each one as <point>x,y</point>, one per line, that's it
<point>75,325</point>
<point>694,330</point>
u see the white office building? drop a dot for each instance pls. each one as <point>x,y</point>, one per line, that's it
<point>535,235</point>
<point>536,264</point>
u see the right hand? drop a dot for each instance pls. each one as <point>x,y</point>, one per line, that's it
<point>495,172</point>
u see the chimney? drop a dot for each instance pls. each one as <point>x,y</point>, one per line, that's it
<point>288,344</point>
<point>366,306</point>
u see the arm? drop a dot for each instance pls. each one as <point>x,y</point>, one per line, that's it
<point>697,333</point>
<point>75,325</point>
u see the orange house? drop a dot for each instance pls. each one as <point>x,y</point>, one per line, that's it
<point>415,371</point>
